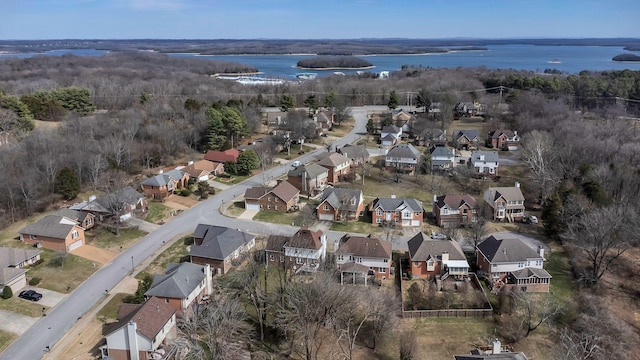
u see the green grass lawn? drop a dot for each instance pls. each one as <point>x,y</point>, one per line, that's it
<point>558,266</point>
<point>104,237</point>
<point>231,179</point>
<point>157,212</point>
<point>235,209</point>
<point>73,271</point>
<point>110,311</point>
<point>174,254</point>
<point>6,338</point>
<point>276,217</point>
<point>363,225</point>
<point>21,306</point>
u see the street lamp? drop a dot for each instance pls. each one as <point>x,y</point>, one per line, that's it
<point>132,266</point>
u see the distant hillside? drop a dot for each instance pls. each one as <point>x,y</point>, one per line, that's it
<point>334,62</point>
<point>626,57</point>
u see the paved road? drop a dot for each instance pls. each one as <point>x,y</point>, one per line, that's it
<point>50,329</point>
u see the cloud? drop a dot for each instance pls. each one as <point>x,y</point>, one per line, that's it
<point>160,5</point>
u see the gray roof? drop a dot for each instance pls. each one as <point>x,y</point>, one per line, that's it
<point>355,151</point>
<point>442,151</point>
<point>512,193</point>
<point>72,214</point>
<point>404,151</point>
<point>312,170</point>
<point>399,204</point>
<point>340,198</point>
<point>7,274</point>
<point>178,281</point>
<point>530,273</point>
<point>333,160</point>
<point>164,178</point>
<point>127,195</point>
<point>13,256</point>
<point>218,241</point>
<point>488,155</point>
<point>423,248</point>
<point>470,134</point>
<point>390,129</point>
<point>53,226</point>
<point>507,250</point>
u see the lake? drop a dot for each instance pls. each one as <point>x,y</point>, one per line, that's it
<point>571,59</point>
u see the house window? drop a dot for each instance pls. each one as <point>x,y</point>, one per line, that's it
<point>276,200</point>
<point>416,264</point>
<point>269,199</point>
<point>378,220</point>
<point>269,206</point>
<point>271,257</point>
<point>299,261</point>
<point>74,234</point>
<point>520,265</point>
<point>89,221</point>
<point>417,214</point>
<point>33,237</point>
<point>359,260</point>
<point>281,258</point>
<point>166,300</point>
<point>326,207</point>
<point>538,262</point>
<point>276,207</point>
<point>396,219</point>
<point>385,260</point>
<point>382,270</point>
<point>353,201</point>
<point>379,212</point>
<point>340,258</point>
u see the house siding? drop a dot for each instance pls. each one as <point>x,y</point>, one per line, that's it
<point>396,215</point>
<point>454,220</point>
<point>218,267</point>
<point>53,243</point>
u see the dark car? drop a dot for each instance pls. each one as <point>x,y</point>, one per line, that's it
<point>30,295</point>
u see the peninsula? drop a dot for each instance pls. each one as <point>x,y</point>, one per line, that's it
<point>334,62</point>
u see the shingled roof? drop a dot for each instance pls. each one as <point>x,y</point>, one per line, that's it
<point>333,160</point>
<point>218,241</point>
<point>354,152</point>
<point>164,178</point>
<point>178,281</point>
<point>512,193</point>
<point>312,171</point>
<point>455,201</point>
<point>285,191</point>
<point>305,239</point>
<point>53,226</point>
<point>12,257</point>
<point>149,317</point>
<point>364,246</point>
<point>492,156</point>
<point>396,204</point>
<point>403,151</point>
<point>423,248</point>
<point>256,192</point>
<point>507,250</point>
<point>340,199</point>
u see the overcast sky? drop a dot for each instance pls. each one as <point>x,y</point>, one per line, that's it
<point>314,19</point>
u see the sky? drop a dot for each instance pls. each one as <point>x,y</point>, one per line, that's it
<point>315,19</point>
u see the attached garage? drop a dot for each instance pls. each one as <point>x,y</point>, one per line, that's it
<point>415,222</point>
<point>324,216</point>
<point>14,278</point>
<point>251,206</point>
<point>75,245</point>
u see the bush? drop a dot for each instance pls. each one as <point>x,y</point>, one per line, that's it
<point>40,261</point>
<point>34,281</point>
<point>7,293</point>
<point>185,192</point>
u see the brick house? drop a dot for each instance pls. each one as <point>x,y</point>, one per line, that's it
<point>503,139</point>
<point>340,204</point>
<point>369,254</point>
<point>54,232</point>
<point>122,203</point>
<point>357,154</point>
<point>309,179</point>
<point>513,263</point>
<point>218,246</point>
<point>141,332</point>
<point>398,211</point>
<point>304,251</point>
<point>337,165</point>
<point>436,258</point>
<point>505,203</point>
<point>164,184</point>
<point>283,197</point>
<point>466,139</point>
<point>454,210</point>
<point>86,220</point>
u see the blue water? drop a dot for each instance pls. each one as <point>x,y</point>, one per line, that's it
<point>573,59</point>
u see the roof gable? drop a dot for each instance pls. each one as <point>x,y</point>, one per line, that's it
<point>423,248</point>
<point>333,160</point>
<point>306,239</point>
<point>403,151</point>
<point>369,246</point>
<point>149,317</point>
<point>455,201</point>
<point>397,204</point>
<point>218,241</point>
<point>13,256</point>
<point>506,250</point>
<point>53,226</point>
<point>285,191</point>
<point>178,281</point>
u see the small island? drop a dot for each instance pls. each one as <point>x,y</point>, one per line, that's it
<point>626,57</point>
<point>334,62</point>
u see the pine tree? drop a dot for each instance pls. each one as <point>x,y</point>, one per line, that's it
<point>393,100</point>
<point>67,184</point>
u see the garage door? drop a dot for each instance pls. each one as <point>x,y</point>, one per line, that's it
<point>252,206</point>
<point>75,245</point>
<point>328,217</point>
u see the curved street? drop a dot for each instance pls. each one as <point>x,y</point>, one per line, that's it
<point>47,331</point>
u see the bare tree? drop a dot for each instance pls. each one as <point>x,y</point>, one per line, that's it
<point>539,154</point>
<point>383,305</point>
<point>535,309</point>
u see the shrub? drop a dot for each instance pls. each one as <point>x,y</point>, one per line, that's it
<point>185,192</point>
<point>40,261</point>
<point>34,281</point>
<point>7,293</point>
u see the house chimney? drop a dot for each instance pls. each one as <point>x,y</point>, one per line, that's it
<point>517,184</point>
<point>435,198</point>
<point>92,198</point>
<point>515,133</point>
<point>160,171</point>
<point>132,337</point>
<point>445,257</point>
<point>541,251</point>
<point>497,347</point>
<point>393,196</point>
<point>481,157</point>
<point>190,162</point>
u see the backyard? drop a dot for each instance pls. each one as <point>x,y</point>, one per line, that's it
<point>104,237</point>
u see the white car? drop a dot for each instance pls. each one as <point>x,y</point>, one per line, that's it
<point>296,163</point>
<point>533,219</point>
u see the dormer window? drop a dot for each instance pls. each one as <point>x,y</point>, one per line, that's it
<point>353,201</point>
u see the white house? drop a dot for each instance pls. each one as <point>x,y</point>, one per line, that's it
<point>403,157</point>
<point>364,255</point>
<point>485,162</point>
<point>306,250</point>
<point>389,135</point>
<point>442,158</point>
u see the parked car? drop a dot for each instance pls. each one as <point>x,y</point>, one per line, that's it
<point>533,219</point>
<point>437,236</point>
<point>30,295</point>
<point>296,163</point>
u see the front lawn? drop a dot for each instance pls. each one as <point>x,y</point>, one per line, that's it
<point>104,237</point>
<point>362,226</point>
<point>21,306</point>
<point>175,253</point>
<point>276,217</point>
<point>157,213</point>
<point>231,179</point>
<point>6,338</point>
<point>110,311</point>
<point>60,271</point>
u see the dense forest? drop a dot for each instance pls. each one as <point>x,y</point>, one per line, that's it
<point>626,57</point>
<point>334,62</point>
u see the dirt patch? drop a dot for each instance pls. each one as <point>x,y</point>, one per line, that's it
<point>180,202</point>
<point>621,288</point>
<point>95,254</point>
<point>84,342</point>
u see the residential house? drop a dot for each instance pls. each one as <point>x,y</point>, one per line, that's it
<point>86,220</point>
<point>164,184</point>
<point>513,263</point>
<point>337,165</point>
<point>283,197</point>
<point>123,203</point>
<point>309,179</point>
<point>505,203</point>
<point>182,286</point>
<point>340,204</point>
<point>493,352</point>
<point>202,170</point>
<point>503,139</point>
<point>54,232</point>
<point>142,332</point>
<point>403,120</point>
<point>485,162</point>
<point>442,158</point>
<point>229,155</point>
<point>365,255</point>
<point>357,154</point>
<point>390,135</point>
<point>430,258</point>
<point>403,157</point>
<point>304,251</point>
<point>275,118</point>
<point>12,267</point>
<point>324,121</point>
<point>435,108</point>
<point>454,210</point>
<point>398,211</point>
<point>432,137</point>
<point>218,246</point>
<point>466,139</point>
<point>469,109</point>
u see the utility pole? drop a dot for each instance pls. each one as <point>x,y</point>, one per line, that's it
<point>132,266</point>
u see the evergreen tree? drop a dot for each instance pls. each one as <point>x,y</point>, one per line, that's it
<point>553,224</point>
<point>143,286</point>
<point>67,184</point>
<point>393,100</point>
<point>371,128</point>
<point>248,160</point>
<point>311,102</point>
<point>287,103</point>
<point>7,293</point>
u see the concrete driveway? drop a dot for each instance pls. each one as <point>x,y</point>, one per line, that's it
<point>50,298</point>
<point>248,214</point>
<point>15,323</point>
